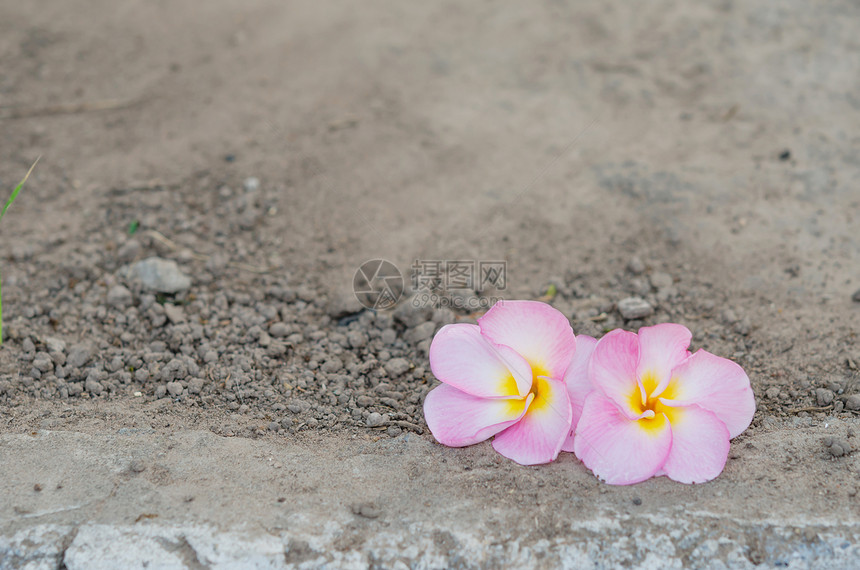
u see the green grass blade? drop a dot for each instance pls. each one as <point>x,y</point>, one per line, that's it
<point>3,213</point>
<point>15,192</point>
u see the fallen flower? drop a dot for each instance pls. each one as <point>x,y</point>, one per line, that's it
<point>504,377</point>
<point>656,409</point>
<point>578,385</point>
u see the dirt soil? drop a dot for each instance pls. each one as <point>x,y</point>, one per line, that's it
<point>702,157</point>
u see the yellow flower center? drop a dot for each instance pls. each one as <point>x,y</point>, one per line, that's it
<point>656,412</point>
<point>540,388</point>
<point>537,395</point>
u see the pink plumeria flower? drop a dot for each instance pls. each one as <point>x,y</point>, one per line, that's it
<point>504,377</point>
<point>578,385</point>
<point>652,408</point>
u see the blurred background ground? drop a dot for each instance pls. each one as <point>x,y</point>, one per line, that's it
<point>701,157</point>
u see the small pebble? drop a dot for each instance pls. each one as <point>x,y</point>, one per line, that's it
<point>823,396</point>
<point>660,280</point>
<point>852,402</point>
<point>119,296</point>
<point>160,275</point>
<point>174,313</point>
<point>837,447</point>
<point>251,184</point>
<point>394,431</point>
<point>635,308</point>
<point>356,339</point>
<point>397,367</point>
<point>279,330</point>
<point>375,419</point>
<point>422,331</point>
<point>55,345</point>
<point>93,386</point>
<point>635,266</point>
<point>366,510</point>
<point>79,355</point>
<point>389,336</point>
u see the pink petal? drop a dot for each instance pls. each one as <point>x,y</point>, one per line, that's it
<point>619,450</point>
<point>456,418</point>
<point>538,436</point>
<point>578,384</point>
<point>536,331</point>
<point>462,357</point>
<point>612,368</point>
<point>700,445</point>
<point>661,348</point>
<point>716,384</point>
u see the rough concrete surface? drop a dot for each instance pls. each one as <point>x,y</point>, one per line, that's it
<point>238,408</point>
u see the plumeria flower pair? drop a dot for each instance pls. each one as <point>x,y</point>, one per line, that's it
<point>630,406</point>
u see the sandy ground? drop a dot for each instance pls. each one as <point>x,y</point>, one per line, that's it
<point>702,156</point>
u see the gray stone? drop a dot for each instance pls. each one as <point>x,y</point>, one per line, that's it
<point>174,370</point>
<point>160,275</point>
<point>332,364</point>
<point>728,317</point>
<point>79,355</point>
<point>743,326</point>
<point>397,367</point>
<point>174,388</point>
<point>853,402</point>
<point>389,336</point>
<point>356,339</point>
<point>251,184</point>
<point>660,280</point>
<point>341,302</point>
<point>279,330</point>
<point>128,251</point>
<point>823,396</point>
<point>42,362</point>
<point>115,364</point>
<point>412,312</point>
<point>174,313</point>
<point>635,308</point>
<point>444,316</point>
<point>635,266</point>
<point>264,339</point>
<point>55,344</point>
<point>93,386</point>
<point>119,296</point>
<point>422,331</point>
<point>27,345</point>
<point>195,385</point>
<point>375,419</point>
